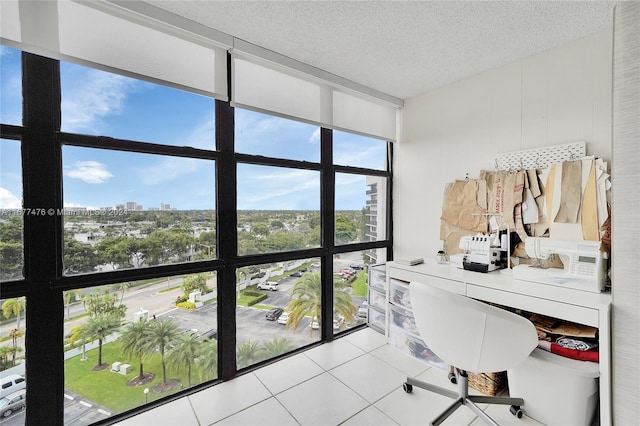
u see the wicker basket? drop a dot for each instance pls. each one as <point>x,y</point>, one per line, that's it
<point>488,383</point>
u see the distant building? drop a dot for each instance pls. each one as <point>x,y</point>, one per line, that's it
<point>376,213</point>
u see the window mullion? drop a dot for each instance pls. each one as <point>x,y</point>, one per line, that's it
<point>42,177</point>
<point>327,214</point>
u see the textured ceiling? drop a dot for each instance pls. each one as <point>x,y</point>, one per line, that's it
<point>402,48</point>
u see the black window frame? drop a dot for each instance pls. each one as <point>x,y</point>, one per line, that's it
<point>44,282</point>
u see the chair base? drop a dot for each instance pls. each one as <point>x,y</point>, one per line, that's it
<point>462,397</point>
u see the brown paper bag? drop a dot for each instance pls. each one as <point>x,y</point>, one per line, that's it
<point>463,199</point>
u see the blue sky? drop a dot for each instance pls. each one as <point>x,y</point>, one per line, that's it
<point>100,103</point>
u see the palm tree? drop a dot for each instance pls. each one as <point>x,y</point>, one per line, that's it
<point>67,296</point>
<point>15,334</point>
<point>306,300</point>
<point>207,360</point>
<point>161,334</point>
<point>5,351</point>
<point>14,307</point>
<point>134,342</point>
<point>277,346</point>
<point>100,327</point>
<point>248,353</point>
<point>79,337</point>
<point>184,352</point>
<point>123,287</point>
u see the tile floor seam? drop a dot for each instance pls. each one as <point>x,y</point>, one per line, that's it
<point>359,394</point>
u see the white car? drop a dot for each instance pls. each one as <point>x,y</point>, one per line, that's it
<point>269,285</point>
<point>363,310</point>
<point>283,318</point>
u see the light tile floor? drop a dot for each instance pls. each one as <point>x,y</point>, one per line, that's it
<point>354,380</point>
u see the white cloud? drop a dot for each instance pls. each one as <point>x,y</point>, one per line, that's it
<point>8,200</point>
<point>290,189</point>
<point>314,139</point>
<point>168,169</point>
<point>91,95</point>
<point>89,172</point>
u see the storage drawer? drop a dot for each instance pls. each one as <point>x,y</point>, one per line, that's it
<point>378,280</point>
<point>403,319</point>
<point>413,347</point>
<point>399,293</point>
<point>377,298</point>
<point>376,319</point>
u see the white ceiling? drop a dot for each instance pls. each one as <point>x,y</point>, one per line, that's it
<point>401,48</point>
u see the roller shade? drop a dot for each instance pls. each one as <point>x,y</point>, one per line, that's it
<point>267,86</point>
<point>118,40</point>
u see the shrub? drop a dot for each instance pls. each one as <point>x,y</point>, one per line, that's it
<point>190,306</point>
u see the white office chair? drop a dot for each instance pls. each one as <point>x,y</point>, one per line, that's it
<point>471,336</point>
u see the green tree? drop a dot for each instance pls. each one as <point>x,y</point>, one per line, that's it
<point>184,352</point>
<point>123,288</point>
<point>135,344</point>
<point>248,353</point>
<point>260,229</point>
<point>306,300</point>
<point>116,251</point>
<point>99,328</point>
<point>207,241</point>
<point>102,301</point>
<point>78,257</point>
<point>5,351</point>
<point>277,346</point>
<point>195,282</point>
<point>11,252</point>
<point>14,307</point>
<point>161,245</point>
<point>282,241</point>
<point>276,224</point>
<point>346,230</point>
<point>161,334</point>
<point>79,337</point>
<point>15,334</point>
<point>69,296</point>
<point>207,360</point>
<point>10,260</point>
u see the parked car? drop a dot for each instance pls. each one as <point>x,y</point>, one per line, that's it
<point>12,402</point>
<point>210,334</point>
<point>274,314</point>
<point>357,267</point>
<point>268,285</point>
<point>283,318</point>
<point>363,310</point>
<point>11,383</point>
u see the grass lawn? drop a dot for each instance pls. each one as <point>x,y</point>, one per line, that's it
<point>110,389</point>
<point>359,286</point>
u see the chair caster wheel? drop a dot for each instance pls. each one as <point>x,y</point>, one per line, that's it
<point>452,378</point>
<point>516,411</point>
<point>407,387</point>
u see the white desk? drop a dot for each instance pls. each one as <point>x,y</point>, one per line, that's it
<point>499,287</point>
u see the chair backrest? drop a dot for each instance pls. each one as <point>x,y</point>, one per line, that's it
<point>469,334</point>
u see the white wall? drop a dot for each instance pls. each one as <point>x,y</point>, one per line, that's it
<point>562,95</point>
<point>625,226</point>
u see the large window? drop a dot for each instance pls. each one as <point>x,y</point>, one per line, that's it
<point>183,240</point>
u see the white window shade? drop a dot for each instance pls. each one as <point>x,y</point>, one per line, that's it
<point>274,88</point>
<point>77,32</point>
<point>363,116</point>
